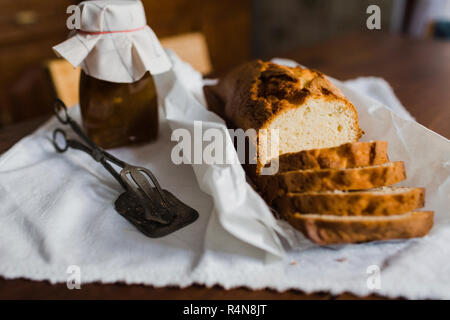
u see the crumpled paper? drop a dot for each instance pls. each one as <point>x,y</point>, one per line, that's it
<point>240,210</point>
<point>57,211</point>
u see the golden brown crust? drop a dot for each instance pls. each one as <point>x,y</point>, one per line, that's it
<point>334,230</point>
<point>331,179</point>
<point>347,155</point>
<point>369,203</point>
<point>253,94</point>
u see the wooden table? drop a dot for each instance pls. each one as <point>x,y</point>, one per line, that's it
<point>419,72</point>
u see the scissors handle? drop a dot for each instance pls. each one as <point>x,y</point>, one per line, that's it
<point>62,115</point>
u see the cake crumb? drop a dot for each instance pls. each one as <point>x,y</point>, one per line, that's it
<point>341,259</point>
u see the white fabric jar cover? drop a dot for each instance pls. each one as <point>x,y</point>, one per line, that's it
<point>114,42</point>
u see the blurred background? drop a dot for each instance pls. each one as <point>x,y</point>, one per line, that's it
<point>298,23</point>
<point>232,31</point>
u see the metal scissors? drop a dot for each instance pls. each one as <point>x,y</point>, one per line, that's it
<point>152,210</point>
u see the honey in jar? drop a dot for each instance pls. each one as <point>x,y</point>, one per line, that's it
<point>118,114</point>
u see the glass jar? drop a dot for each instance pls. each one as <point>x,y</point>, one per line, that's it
<point>119,114</point>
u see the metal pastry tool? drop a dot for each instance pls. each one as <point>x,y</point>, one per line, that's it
<point>152,210</point>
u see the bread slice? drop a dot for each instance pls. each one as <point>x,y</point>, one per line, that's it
<point>299,105</point>
<point>385,201</point>
<point>331,179</point>
<point>347,155</point>
<point>334,230</point>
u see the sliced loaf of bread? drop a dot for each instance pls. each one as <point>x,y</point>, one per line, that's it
<point>301,105</point>
<point>326,229</point>
<point>347,155</point>
<point>385,201</point>
<point>331,179</point>
<point>322,170</point>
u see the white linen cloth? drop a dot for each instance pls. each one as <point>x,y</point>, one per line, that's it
<point>114,42</point>
<point>57,211</point>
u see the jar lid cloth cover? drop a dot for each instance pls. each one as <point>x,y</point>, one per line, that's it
<point>114,42</point>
